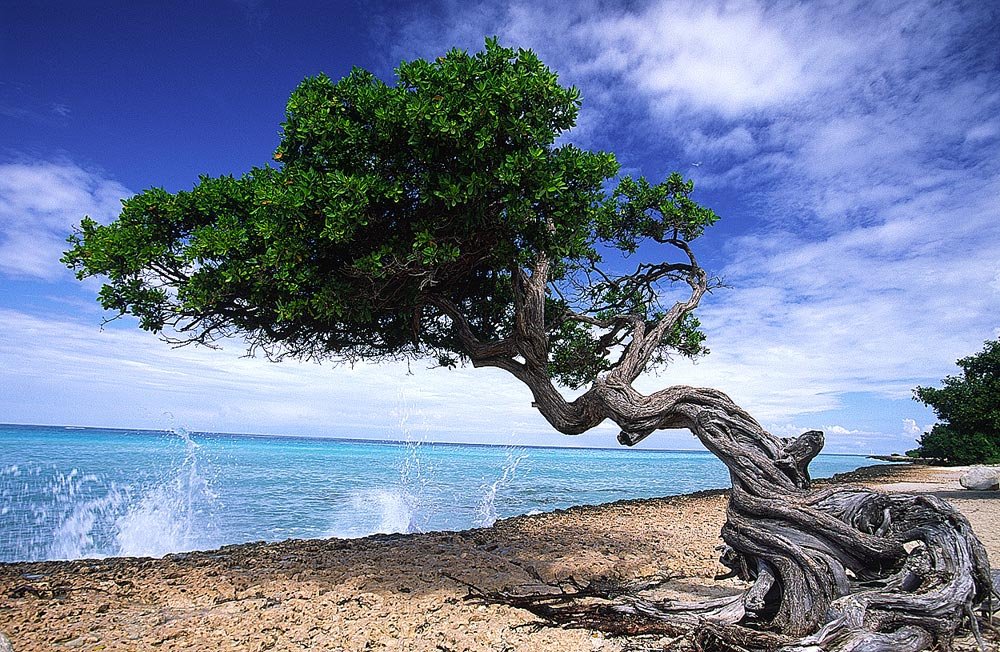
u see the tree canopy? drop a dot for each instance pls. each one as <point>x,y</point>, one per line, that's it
<point>400,221</point>
<point>968,407</point>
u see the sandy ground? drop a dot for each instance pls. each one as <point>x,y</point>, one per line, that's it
<point>396,592</point>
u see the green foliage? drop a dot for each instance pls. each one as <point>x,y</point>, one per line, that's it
<point>968,407</point>
<point>639,210</point>
<point>384,200</point>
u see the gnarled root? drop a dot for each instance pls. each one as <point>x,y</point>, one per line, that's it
<point>839,569</point>
<point>923,573</point>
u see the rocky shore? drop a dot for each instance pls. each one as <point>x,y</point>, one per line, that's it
<point>399,592</point>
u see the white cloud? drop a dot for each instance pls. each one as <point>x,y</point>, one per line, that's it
<point>728,58</point>
<point>791,430</point>
<point>120,376</point>
<point>859,141</point>
<point>738,141</point>
<point>39,204</point>
<point>841,430</point>
<point>911,428</point>
<point>983,132</point>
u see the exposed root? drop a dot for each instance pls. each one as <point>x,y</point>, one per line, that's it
<point>839,569</point>
<point>609,605</point>
<point>874,572</point>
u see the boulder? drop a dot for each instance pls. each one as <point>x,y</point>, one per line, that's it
<point>5,645</point>
<point>981,478</point>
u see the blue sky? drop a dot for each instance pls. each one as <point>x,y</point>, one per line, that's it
<point>853,150</point>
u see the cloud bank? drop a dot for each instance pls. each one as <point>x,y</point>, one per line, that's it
<point>40,201</point>
<point>856,147</point>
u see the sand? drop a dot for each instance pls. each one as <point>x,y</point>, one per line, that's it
<point>396,592</point>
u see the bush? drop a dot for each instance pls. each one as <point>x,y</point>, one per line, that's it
<point>944,444</point>
<point>968,407</point>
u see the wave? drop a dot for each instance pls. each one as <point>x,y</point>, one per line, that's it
<point>75,515</point>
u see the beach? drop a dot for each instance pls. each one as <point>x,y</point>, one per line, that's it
<point>400,592</point>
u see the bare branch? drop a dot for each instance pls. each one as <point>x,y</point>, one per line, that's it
<point>645,341</point>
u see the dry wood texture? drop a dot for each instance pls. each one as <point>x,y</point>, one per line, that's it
<point>837,569</point>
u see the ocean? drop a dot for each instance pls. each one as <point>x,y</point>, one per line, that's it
<point>70,493</point>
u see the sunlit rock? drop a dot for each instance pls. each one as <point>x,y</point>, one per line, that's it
<point>981,478</point>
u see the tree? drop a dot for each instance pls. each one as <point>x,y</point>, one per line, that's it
<point>441,217</point>
<point>968,407</point>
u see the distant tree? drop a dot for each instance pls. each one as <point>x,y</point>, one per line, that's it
<point>442,218</point>
<point>968,407</point>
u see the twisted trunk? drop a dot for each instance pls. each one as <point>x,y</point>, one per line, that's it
<point>831,569</point>
<point>838,569</point>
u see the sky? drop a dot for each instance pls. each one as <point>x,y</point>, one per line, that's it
<point>851,148</point>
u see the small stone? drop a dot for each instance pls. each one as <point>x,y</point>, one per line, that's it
<point>5,645</point>
<point>981,478</point>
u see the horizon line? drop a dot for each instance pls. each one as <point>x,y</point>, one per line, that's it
<point>382,441</point>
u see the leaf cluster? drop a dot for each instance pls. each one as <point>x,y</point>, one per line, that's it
<point>386,200</point>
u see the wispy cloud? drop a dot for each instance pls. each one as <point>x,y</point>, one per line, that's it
<point>39,204</point>
<point>860,141</point>
<point>728,59</point>
<point>856,145</point>
<point>21,103</point>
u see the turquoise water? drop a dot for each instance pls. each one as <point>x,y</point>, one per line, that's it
<point>68,493</point>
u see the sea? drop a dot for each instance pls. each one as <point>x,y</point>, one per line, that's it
<point>69,492</point>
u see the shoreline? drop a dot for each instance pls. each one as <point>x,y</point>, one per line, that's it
<point>400,591</point>
<point>861,474</point>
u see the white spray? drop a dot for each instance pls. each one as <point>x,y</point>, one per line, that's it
<point>486,513</point>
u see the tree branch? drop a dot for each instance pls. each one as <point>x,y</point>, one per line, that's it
<point>531,333</point>
<point>644,342</point>
<point>480,353</point>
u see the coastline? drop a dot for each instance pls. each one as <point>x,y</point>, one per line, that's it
<point>400,592</point>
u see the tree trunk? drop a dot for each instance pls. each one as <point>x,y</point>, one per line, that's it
<point>839,568</point>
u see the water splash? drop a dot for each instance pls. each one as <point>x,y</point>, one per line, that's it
<point>397,508</point>
<point>47,513</point>
<point>486,512</point>
<point>171,516</point>
<point>386,511</point>
<point>399,505</point>
<point>86,529</point>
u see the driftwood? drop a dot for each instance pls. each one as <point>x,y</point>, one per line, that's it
<point>834,569</point>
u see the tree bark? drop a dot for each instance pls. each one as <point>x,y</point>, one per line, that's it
<point>842,568</point>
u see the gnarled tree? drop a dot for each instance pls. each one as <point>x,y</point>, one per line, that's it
<point>439,218</point>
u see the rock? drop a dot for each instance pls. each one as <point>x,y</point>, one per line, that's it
<point>5,645</point>
<point>981,478</point>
